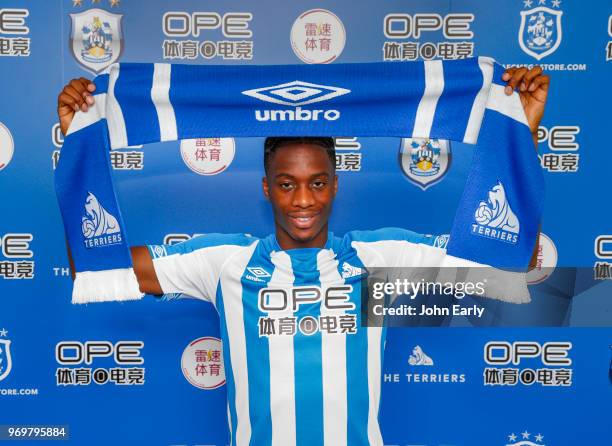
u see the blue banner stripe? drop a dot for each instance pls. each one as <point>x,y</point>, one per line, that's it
<point>133,92</point>
<point>455,103</point>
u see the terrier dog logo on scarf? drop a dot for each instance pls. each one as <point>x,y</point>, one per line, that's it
<point>495,219</point>
<point>99,227</point>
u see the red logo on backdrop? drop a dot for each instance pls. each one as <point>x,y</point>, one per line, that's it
<point>202,363</point>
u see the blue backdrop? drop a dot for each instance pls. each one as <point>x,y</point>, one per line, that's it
<point>149,377</point>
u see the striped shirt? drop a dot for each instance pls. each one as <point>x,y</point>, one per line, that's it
<point>301,369</point>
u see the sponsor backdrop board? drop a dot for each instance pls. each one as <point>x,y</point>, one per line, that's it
<point>150,372</point>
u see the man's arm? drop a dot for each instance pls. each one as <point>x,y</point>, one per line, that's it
<point>533,90</point>
<point>77,95</point>
<point>143,269</point>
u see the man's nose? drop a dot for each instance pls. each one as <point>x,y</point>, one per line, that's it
<point>303,197</point>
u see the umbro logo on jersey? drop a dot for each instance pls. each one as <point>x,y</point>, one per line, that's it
<point>295,94</point>
<point>257,274</point>
<point>349,270</point>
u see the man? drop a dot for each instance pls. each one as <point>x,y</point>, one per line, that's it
<point>301,370</point>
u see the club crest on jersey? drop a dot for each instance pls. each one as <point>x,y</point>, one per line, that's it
<point>495,218</point>
<point>349,270</point>
<point>100,227</point>
<point>96,40</point>
<point>296,94</point>
<point>540,32</point>
<point>6,362</point>
<point>424,161</point>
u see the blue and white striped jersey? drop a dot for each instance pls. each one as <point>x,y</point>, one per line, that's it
<point>300,368</point>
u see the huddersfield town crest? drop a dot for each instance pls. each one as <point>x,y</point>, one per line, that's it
<point>540,32</point>
<point>96,40</point>
<point>424,161</point>
<point>5,358</point>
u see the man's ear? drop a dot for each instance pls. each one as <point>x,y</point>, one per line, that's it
<point>266,188</point>
<point>335,184</point>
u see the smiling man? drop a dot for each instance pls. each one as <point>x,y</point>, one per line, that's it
<point>301,369</point>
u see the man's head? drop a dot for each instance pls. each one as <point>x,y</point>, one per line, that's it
<point>301,184</point>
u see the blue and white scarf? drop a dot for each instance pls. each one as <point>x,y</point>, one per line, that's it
<point>497,220</point>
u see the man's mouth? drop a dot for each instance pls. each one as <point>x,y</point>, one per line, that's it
<point>303,221</point>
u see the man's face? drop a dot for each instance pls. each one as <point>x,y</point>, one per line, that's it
<point>301,185</point>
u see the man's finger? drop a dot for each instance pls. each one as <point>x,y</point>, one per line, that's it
<point>65,104</point>
<point>535,71</point>
<point>79,86</point>
<point>530,76</point>
<point>517,76</point>
<point>539,87</point>
<point>74,94</point>
<point>88,85</point>
<point>508,73</point>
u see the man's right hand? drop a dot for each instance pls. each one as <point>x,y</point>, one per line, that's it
<point>75,96</point>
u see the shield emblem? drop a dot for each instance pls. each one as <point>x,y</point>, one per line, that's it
<point>540,32</point>
<point>424,161</point>
<point>5,358</point>
<point>96,40</point>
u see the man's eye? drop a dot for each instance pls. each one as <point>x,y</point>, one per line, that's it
<point>319,184</point>
<point>285,186</point>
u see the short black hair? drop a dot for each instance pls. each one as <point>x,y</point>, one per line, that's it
<point>274,142</point>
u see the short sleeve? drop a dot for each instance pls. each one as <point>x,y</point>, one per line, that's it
<point>396,247</point>
<point>193,267</point>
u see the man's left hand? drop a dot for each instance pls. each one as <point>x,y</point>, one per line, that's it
<point>532,87</point>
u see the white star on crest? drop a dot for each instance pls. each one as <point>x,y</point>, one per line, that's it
<point>77,2</point>
<point>512,437</point>
<point>556,3</point>
<point>3,333</point>
<point>114,2</point>
<point>527,3</point>
<point>539,437</point>
<point>542,2</point>
<point>526,435</point>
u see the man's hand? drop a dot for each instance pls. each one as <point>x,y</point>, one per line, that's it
<point>75,96</point>
<point>533,90</point>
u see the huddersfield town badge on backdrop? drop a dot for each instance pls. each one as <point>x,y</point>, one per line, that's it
<point>6,363</point>
<point>540,32</point>
<point>424,161</point>
<point>96,40</point>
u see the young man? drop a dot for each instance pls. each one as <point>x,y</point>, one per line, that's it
<point>301,370</point>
